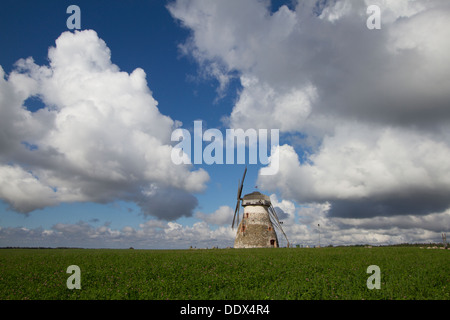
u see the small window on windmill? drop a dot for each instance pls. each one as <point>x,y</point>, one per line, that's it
<point>246,215</point>
<point>269,228</point>
<point>243,228</point>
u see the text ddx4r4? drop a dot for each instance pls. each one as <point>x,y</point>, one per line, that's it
<point>235,309</point>
<point>246,309</point>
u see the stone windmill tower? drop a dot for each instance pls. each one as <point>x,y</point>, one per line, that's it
<point>256,229</point>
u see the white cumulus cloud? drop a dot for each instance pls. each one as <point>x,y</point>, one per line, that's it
<point>100,136</point>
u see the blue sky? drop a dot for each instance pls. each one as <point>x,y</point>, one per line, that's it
<point>359,112</point>
<point>139,34</point>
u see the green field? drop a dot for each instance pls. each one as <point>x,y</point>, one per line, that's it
<point>300,273</point>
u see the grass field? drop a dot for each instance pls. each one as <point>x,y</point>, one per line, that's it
<point>300,273</point>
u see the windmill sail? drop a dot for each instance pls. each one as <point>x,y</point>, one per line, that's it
<point>239,193</point>
<point>276,222</point>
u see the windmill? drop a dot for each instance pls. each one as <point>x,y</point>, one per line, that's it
<point>256,229</point>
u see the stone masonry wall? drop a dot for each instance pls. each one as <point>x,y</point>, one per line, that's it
<point>256,230</point>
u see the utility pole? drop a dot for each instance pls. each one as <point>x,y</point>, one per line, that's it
<point>318,225</point>
<point>444,239</point>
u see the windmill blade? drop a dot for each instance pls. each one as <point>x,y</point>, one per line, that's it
<point>236,211</point>
<point>273,215</point>
<point>239,190</point>
<point>276,222</point>
<point>239,193</point>
<point>241,184</point>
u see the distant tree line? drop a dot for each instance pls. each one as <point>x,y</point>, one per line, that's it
<point>40,248</point>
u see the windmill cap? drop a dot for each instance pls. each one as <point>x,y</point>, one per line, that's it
<point>255,198</point>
